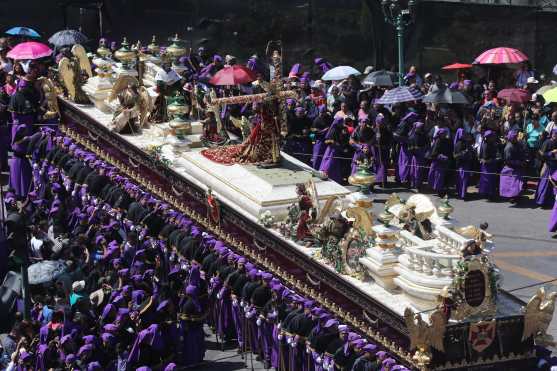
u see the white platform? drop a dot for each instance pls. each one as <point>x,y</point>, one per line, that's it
<point>247,188</point>
<point>240,187</point>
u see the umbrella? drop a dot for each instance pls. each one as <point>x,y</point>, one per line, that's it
<point>457,66</point>
<point>66,38</point>
<point>550,96</point>
<point>380,78</point>
<point>514,95</point>
<point>45,271</point>
<point>340,73</point>
<point>545,88</point>
<point>399,95</point>
<point>23,31</point>
<point>29,50</point>
<point>501,56</point>
<point>447,96</point>
<point>233,75</point>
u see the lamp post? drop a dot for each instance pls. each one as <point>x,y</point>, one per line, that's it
<point>400,18</point>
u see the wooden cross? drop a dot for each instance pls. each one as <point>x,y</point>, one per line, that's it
<point>273,101</point>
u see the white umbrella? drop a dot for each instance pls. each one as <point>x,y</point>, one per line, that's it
<point>340,73</point>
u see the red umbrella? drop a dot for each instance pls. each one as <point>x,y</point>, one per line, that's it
<point>514,95</point>
<point>457,66</point>
<point>233,75</point>
<point>501,56</point>
<point>29,50</point>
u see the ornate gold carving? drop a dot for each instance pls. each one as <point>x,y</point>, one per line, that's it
<point>538,314</point>
<point>467,267</point>
<point>424,335</point>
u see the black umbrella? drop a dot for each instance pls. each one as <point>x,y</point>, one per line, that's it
<point>67,38</point>
<point>380,78</point>
<point>447,96</point>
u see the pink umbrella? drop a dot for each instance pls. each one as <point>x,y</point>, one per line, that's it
<point>514,95</point>
<point>29,50</point>
<point>233,75</point>
<point>501,56</point>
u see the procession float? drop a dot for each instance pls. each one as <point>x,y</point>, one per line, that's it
<point>411,278</point>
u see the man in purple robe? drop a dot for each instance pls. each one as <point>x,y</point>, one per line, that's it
<point>464,155</point>
<point>548,153</point>
<point>511,181</point>
<point>401,136</point>
<point>417,146</point>
<point>319,129</point>
<point>192,315</point>
<point>490,156</point>
<point>439,155</point>
<point>553,218</point>
<point>21,173</point>
<point>336,140</point>
<point>381,149</point>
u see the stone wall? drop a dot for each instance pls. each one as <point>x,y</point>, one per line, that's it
<point>345,31</point>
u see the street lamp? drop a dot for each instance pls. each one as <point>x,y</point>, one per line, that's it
<point>400,18</point>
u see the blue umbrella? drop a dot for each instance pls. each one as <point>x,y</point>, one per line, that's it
<point>67,38</point>
<point>23,31</point>
<point>400,95</point>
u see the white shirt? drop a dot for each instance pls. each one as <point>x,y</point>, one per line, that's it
<point>550,126</point>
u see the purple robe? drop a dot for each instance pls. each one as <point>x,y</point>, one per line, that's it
<point>360,156</point>
<point>332,164</point>
<point>404,159</point>
<point>544,194</point>
<point>417,169</point>
<point>488,180</point>
<point>380,156</point>
<point>552,227</point>
<point>5,140</point>
<point>225,324</point>
<point>440,155</point>
<point>463,155</point>
<point>20,168</point>
<point>238,319</point>
<point>511,181</point>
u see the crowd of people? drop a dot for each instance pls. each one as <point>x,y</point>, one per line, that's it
<point>142,280</point>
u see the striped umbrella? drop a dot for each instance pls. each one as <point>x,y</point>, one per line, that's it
<point>400,95</point>
<point>501,56</point>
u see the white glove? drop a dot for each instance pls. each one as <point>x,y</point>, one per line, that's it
<point>258,322</point>
<point>318,360</point>
<point>219,296</point>
<point>288,340</point>
<point>278,325</point>
<point>293,344</point>
<point>308,351</point>
<point>235,302</point>
<point>279,336</point>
